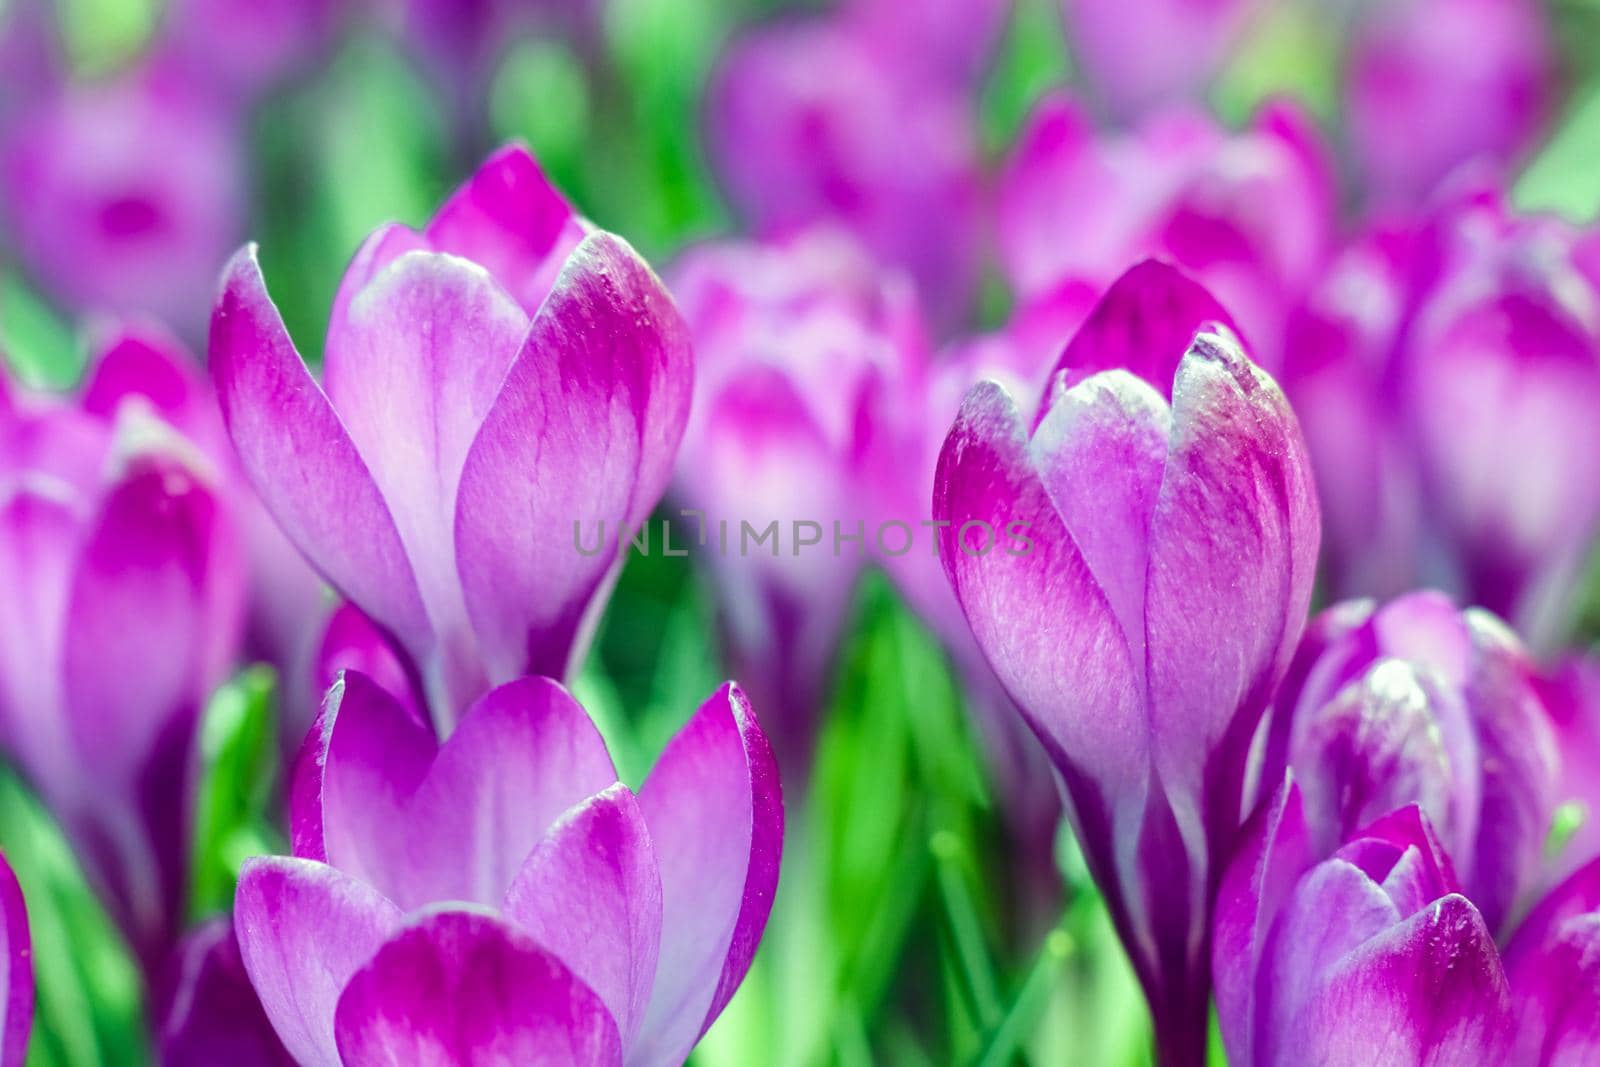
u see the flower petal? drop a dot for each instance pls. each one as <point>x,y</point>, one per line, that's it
<point>585,429</point>
<point>16,983</point>
<point>510,220</point>
<point>714,807</point>
<point>591,893</point>
<point>304,929</point>
<point>523,755</point>
<point>303,462</point>
<point>1144,324</point>
<point>458,987</point>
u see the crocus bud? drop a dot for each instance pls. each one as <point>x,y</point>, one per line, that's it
<point>1250,214</point>
<point>1136,568</point>
<point>578,923</point>
<point>805,361</point>
<point>103,180</point>
<point>1420,703</point>
<point>1370,949</point>
<point>1154,52</point>
<point>816,122</point>
<point>1431,85</point>
<point>16,974</point>
<point>1554,967</point>
<point>126,581</point>
<point>491,384</point>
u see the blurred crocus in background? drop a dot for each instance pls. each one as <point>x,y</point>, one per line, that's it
<point>16,979</point>
<point>128,582</point>
<point>1446,370</point>
<point>583,924</point>
<point>462,542</point>
<point>1166,497</point>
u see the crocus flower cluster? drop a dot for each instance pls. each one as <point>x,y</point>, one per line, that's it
<point>577,922</point>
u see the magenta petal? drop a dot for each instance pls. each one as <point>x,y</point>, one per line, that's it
<point>523,755</point>
<point>143,364</point>
<point>39,534</point>
<point>304,928</point>
<point>509,219</point>
<point>301,460</point>
<point>464,988</point>
<point>1429,990</point>
<point>371,756</point>
<point>1554,967</point>
<point>1036,610</point>
<point>1233,547</point>
<point>1145,324</point>
<point>16,984</point>
<point>591,893</point>
<point>715,811</point>
<point>585,430</point>
<point>382,247</point>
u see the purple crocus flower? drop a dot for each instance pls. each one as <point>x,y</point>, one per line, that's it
<point>492,384</point>
<point>16,978</point>
<point>1420,703</point>
<point>1554,967</point>
<point>125,582</point>
<point>1571,693</point>
<point>802,350</point>
<point>1162,537</point>
<point>1153,52</point>
<point>211,1013</point>
<point>820,121</point>
<point>1431,85</point>
<point>535,910</point>
<point>103,180</point>
<point>1368,953</point>
<point>243,47</point>
<point>1250,214</point>
<point>1446,370</point>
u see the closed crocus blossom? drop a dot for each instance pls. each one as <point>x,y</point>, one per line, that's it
<point>802,350</point>
<point>126,582</point>
<point>1249,214</point>
<point>16,977</point>
<point>490,383</point>
<point>577,923</point>
<point>104,179</point>
<point>1153,52</point>
<point>1420,703</point>
<point>819,121</point>
<point>1432,85</point>
<point>1366,953</point>
<point>1554,967</point>
<point>1446,370</point>
<point>1171,538</point>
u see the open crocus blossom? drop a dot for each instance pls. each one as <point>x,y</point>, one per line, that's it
<point>491,383</point>
<point>802,350</point>
<point>1162,538</point>
<point>534,910</point>
<point>126,579</point>
<point>1418,702</point>
<point>1366,954</point>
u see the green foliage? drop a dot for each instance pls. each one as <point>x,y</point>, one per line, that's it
<point>1294,53</point>
<point>1032,58</point>
<point>87,988</point>
<point>233,797</point>
<point>1561,178</point>
<point>42,351</point>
